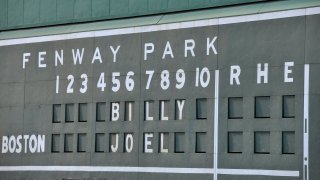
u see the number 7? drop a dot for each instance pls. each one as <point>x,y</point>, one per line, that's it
<point>150,73</point>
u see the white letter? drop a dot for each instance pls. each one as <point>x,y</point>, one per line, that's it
<point>114,52</point>
<point>4,144</point>
<point>180,104</point>
<point>33,143</point>
<point>96,55</point>
<point>262,73</point>
<point>25,59</point>
<point>40,59</point>
<point>287,71</point>
<point>41,143</point>
<point>115,111</point>
<point>162,149</point>
<point>77,56</point>
<point>167,51</point>
<point>58,57</point>
<point>234,74</point>
<point>19,147</point>
<point>210,45</point>
<point>189,48</point>
<point>129,143</point>
<point>147,50</point>
<point>148,118</point>
<point>114,148</point>
<point>162,112</point>
<point>147,142</point>
<point>129,111</point>
<point>25,137</point>
<point>12,144</point>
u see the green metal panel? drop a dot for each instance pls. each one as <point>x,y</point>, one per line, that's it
<point>157,5</point>
<point>15,12</point>
<point>65,10</point>
<point>31,11</point>
<point>177,4</point>
<point>199,3</point>
<point>48,11</point>
<point>119,8</point>
<point>160,19</point>
<point>100,8</point>
<point>3,13</point>
<point>35,13</point>
<point>138,6</point>
<point>82,9</point>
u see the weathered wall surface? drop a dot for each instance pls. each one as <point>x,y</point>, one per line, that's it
<point>16,14</point>
<point>149,96</point>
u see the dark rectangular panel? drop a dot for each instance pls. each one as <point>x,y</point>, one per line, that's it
<point>55,143</point>
<point>262,142</point>
<point>235,107</point>
<point>288,142</point>
<point>179,142</point>
<point>68,142</point>
<point>100,142</point>
<point>82,142</point>
<point>288,106</point>
<point>235,142</point>
<point>56,116</point>
<point>201,108</point>
<point>83,112</point>
<point>101,111</point>
<point>201,142</point>
<point>69,113</point>
<point>262,107</point>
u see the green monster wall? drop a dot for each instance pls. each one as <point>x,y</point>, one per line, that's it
<point>16,14</point>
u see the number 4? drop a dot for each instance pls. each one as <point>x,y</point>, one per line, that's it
<point>101,83</point>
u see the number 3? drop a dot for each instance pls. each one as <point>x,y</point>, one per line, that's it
<point>84,86</point>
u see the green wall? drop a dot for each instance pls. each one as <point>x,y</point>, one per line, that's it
<point>15,14</point>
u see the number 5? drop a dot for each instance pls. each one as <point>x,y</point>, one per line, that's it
<point>115,81</point>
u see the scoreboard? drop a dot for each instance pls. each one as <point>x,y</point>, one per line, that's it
<point>227,98</point>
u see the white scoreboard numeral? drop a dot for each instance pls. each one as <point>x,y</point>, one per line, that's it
<point>115,81</point>
<point>181,78</point>
<point>101,83</point>
<point>57,84</point>
<point>71,81</point>
<point>204,71</point>
<point>150,75</point>
<point>84,83</point>
<point>165,82</point>
<point>200,77</point>
<point>129,81</point>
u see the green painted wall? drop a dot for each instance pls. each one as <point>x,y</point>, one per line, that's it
<point>15,14</point>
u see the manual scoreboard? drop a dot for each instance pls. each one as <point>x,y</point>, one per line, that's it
<point>228,98</point>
